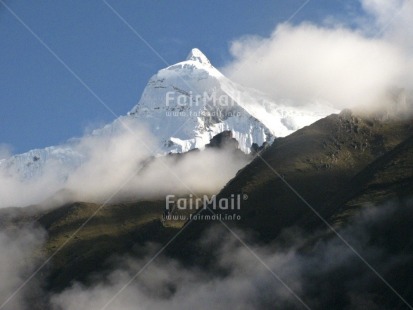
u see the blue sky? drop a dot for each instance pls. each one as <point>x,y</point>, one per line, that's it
<point>43,104</point>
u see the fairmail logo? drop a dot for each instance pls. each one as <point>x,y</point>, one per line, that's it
<point>194,202</point>
<point>180,98</point>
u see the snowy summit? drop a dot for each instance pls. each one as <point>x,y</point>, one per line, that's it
<point>196,55</point>
<point>188,103</point>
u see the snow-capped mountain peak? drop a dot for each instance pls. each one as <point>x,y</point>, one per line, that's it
<point>196,55</point>
<point>188,103</point>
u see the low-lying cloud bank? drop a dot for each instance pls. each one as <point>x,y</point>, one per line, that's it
<point>129,170</point>
<point>369,67</point>
<point>325,275</point>
<point>117,164</point>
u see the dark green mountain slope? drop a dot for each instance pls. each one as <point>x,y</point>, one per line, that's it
<point>329,163</point>
<point>389,177</point>
<point>320,162</point>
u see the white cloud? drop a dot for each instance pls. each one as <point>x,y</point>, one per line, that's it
<point>118,165</point>
<point>341,66</point>
<point>122,164</point>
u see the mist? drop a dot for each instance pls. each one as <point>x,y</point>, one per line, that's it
<point>325,274</point>
<point>332,63</point>
<point>137,175</point>
<point>120,165</point>
<point>19,256</point>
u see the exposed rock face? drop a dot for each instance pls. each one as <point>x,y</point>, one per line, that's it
<point>223,140</point>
